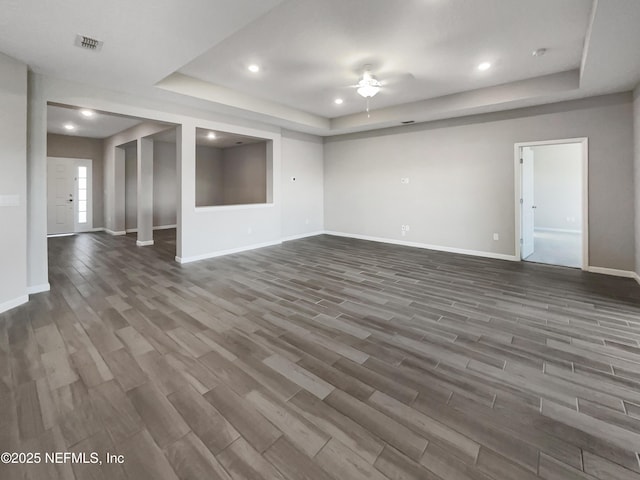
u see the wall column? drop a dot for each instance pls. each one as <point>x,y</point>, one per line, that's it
<point>186,173</point>
<point>145,192</point>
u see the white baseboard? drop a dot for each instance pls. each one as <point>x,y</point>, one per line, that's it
<point>614,272</point>
<point>89,230</point>
<point>558,230</point>
<point>146,243</point>
<point>462,251</point>
<point>226,252</point>
<point>636,277</point>
<point>45,287</point>
<point>60,235</point>
<point>9,304</point>
<point>115,233</point>
<point>161,227</point>
<point>303,235</point>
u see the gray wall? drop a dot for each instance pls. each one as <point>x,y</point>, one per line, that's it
<point>165,184</point>
<point>302,199</point>
<point>209,189</point>
<point>131,187</point>
<point>244,173</point>
<point>461,173</point>
<point>67,146</point>
<point>231,176</point>
<point>558,186</point>
<point>636,125</point>
<point>114,172</point>
<point>13,182</point>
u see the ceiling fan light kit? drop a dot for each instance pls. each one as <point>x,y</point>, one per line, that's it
<point>368,86</point>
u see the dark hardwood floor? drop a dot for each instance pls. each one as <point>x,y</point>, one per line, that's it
<point>323,358</point>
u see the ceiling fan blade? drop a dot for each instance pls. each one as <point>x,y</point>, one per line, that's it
<point>396,78</point>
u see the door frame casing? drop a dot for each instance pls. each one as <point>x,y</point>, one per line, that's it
<point>584,141</point>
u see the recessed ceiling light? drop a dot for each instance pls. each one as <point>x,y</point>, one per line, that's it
<point>338,101</point>
<point>254,68</point>
<point>87,113</point>
<point>484,66</point>
<point>69,126</point>
<point>211,136</point>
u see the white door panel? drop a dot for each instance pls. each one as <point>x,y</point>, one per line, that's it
<point>60,197</point>
<point>69,195</point>
<point>528,203</point>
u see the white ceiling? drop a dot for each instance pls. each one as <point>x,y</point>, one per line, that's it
<point>312,52</point>
<point>144,40</point>
<point>221,140</point>
<point>101,125</point>
<point>425,52</point>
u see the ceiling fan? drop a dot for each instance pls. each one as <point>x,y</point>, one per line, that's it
<point>369,86</point>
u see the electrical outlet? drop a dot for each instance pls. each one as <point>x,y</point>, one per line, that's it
<point>249,230</point>
<point>306,221</point>
<point>496,236</point>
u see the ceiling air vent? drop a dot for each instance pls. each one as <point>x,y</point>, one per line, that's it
<point>89,43</point>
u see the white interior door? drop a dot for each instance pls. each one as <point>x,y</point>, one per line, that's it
<point>528,203</point>
<point>60,196</point>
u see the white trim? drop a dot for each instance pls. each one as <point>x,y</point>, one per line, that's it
<point>585,192</point>
<point>439,248</point>
<point>227,252</point>
<point>636,277</point>
<point>246,206</point>
<point>58,235</point>
<point>165,227</point>
<point>45,287</point>
<point>614,272</point>
<point>115,233</point>
<point>146,243</point>
<point>92,230</point>
<point>161,227</point>
<point>558,230</point>
<point>303,235</point>
<point>16,302</point>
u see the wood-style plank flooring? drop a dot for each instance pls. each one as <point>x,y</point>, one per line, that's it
<point>324,358</point>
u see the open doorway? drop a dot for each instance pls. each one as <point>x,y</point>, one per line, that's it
<point>551,201</point>
<point>92,157</point>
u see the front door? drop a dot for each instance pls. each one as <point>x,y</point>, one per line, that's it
<point>69,195</point>
<point>60,196</point>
